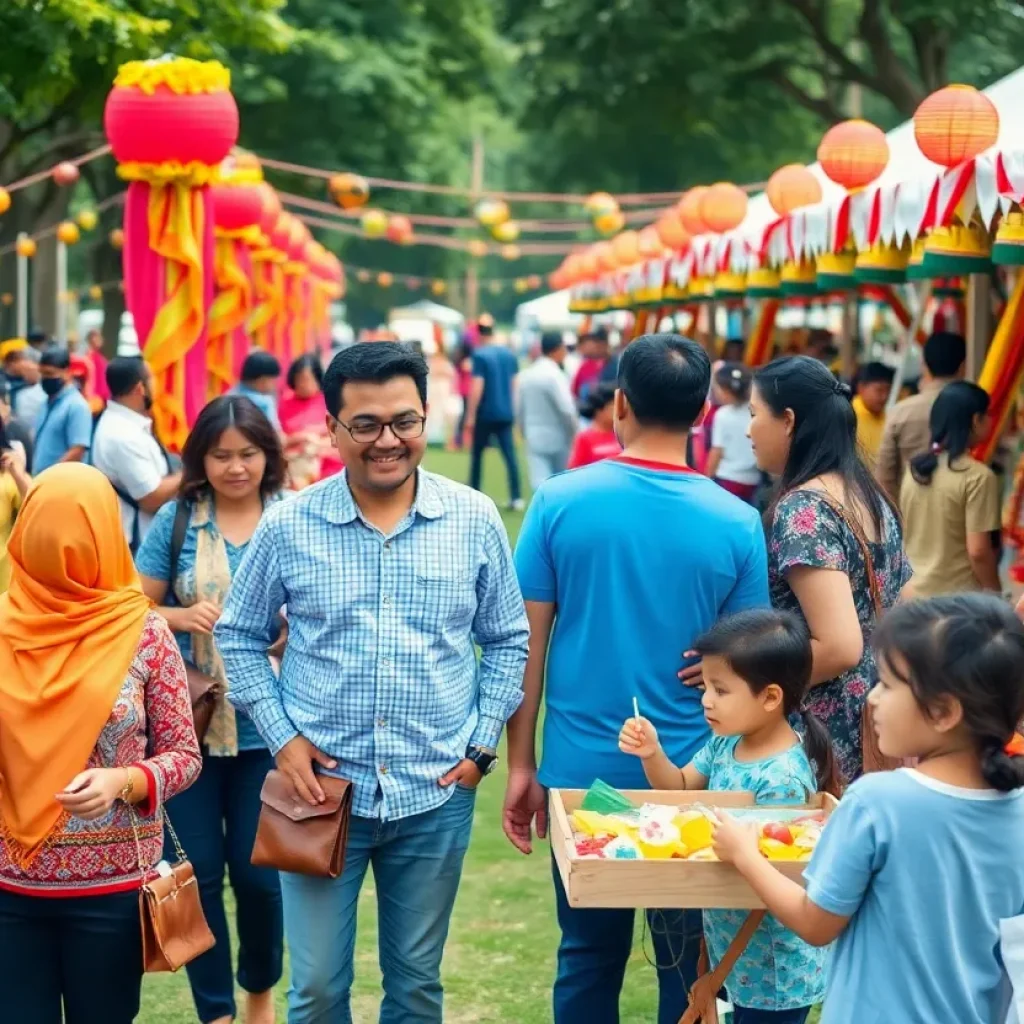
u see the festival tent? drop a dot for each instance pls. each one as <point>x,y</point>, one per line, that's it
<point>547,312</point>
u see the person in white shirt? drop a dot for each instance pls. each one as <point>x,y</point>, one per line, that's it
<point>125,450</point>
<point>731,462</point>
<point>545,411</point>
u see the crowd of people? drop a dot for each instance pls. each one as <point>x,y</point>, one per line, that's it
<point>376,626</point>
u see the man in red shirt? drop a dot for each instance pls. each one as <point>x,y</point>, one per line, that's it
<point>594,349</point>
<point>99,365</point>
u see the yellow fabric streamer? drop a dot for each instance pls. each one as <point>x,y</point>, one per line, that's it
<point>268,272</point>
<point>176,222</point>
<point>228,311</point>
<point>1002,339</point>
<point>295,342</point>
<point>169,172</point>
<point>1004,362</point>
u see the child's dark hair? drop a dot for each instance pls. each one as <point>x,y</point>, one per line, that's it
<point>969,647</point>
<point>951,422</point>
<point>765,647</point>
<point>734,379</point>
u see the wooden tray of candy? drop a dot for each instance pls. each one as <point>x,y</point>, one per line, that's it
<point>669,884</point>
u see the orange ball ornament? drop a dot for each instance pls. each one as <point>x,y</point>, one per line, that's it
<point>689,210</point>
<point>5,201</point>
<point>65,173</point>
<point>26,248</point>
<point>669,227</point>
<point>723,207</point>
<point>510,252</point>
<point>626,248</point>
<point>363,276</point>
<point>68,233</point>
<point>609,222</point>
<point>853,153</point>
<point>507,231</point>
<point>87,220</point>
<point>438,287</point>
<point>955,125</point>
<point>95,293</point>
<point>533,281</point>
<point>477,249</point>
<point>599,203</point>
<point>792,187</point>
<point>116,238</point>
<point>350,191</point>
<point>374,223</point>
<point>492,212</point>
<point>399,229</point>
<point>7,299</point>
<point>385,280</point>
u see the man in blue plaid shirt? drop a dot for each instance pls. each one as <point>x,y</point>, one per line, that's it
<point>390,576</point>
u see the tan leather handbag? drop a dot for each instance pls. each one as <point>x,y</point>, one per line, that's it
<point>295,836</point>
<point>174,928</point>
<point>203,692</point>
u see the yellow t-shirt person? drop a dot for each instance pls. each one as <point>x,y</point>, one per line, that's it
<point>870,428</point>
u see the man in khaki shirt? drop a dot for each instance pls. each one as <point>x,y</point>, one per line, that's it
<point>907,432</point>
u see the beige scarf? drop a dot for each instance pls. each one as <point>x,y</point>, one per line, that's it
<point>211,583</point>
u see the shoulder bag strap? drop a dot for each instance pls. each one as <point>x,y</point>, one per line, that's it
<point>862,542</point>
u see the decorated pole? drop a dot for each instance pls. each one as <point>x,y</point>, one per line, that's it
<point>170,123</point>
<point>266,261</point>
<point>296,288</point>
<point>25,249</point>
<point>237,212</point>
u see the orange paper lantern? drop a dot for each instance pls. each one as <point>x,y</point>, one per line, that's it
<point>399,229</point>
<point>5,200</point>
<point>669,227</point>
<point>25,247</point>
<point>723,207</point>
<point>853,153</point>
<point>477,249</point>
<point>956,124</point>
<point>690,212</point>
<point>626,248</point>
<point>605,257</point>
<point>609,222</point>
<point>385,280</point>
<point>588,267</point>
<point>65,173</point>
<point>649,243</point>
<point>510,252</point>
<point>67,232</point>
<point>599,203</point>
<point>350,191</point>
<point>791,187</point>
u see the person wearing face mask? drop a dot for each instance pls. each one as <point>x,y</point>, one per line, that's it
<point>126,451</point>
<point>64,426</point>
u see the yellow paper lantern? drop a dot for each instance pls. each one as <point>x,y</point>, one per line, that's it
<point>87,220</point>
<point>26,248</point>
<point>350,191</point>
<point>600,203</point>
<point>610,222</point>
<point>5,201</point>
<point>507,231</point>
<point>438,287</point>
<point>521,285</point>
<point>374,223</point>
<point>626,248</point>
<point>68,233</point>
<point>7,299</point>
<point>95,293</point>
<point>492,212</point>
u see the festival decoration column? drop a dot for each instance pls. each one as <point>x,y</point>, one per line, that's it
<point>297,293</point>
<point>267,272</point>
<point>237,212</point>
<point>170,122</point>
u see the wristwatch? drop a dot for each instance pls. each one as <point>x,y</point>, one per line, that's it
<point>483,757</point>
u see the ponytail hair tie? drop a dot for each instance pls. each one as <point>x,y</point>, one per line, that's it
<point>839,388</point>
<point>936,448</point>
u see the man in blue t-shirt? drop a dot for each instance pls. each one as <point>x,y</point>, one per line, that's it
<point>623,564</point>
<point>490,408</point>
<point>63,428</point>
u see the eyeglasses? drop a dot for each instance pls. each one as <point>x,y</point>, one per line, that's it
<point>404,428</point>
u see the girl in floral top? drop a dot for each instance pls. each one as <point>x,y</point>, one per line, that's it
<point>95,719</point>
<point>803,430</point>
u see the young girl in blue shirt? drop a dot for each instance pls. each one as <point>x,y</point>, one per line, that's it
<point>918,869</point>
<point>756,668</point>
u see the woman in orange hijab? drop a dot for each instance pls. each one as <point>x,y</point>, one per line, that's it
<point>95,734</point>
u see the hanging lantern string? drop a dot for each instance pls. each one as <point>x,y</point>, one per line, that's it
<point>441,241</point>
<point>417,280</point>
<point>34,179</point>
<point>625,199</point>
<point>436,220</point>
<point>115,200</point>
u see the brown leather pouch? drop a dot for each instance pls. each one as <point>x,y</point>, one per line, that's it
<point>292,835</point>
<point>203,691</point>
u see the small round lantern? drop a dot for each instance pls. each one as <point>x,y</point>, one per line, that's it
<point>605,258</point>
<point>26,248</point>
<point>505,232</point>
<point>492,212</point>
<point>95,293</point>
<point>533,281</point>
<point>438,287</point>
<point>955,125</point>
<point>7,299</point>
<point>723,207</point>
<point>853,153</point>
<point>170,122</point>
<point>792,187</point>
<point>350,191</point>
<point>399,229</point>
<point>689,207</point>
<point>587,267</point>
<point>374,223</point>
<point>385,280</point>
<point>477,249</point>
<point>669,227</point>
<point>521,286</point>
<point>649,244</point>
<point>68,233</point>
<point>65,174</point>
<point>510,252</point>
<point>116,238</point>
<point>626,248</point>
<point>5,201</point>
<point>363,276</point>
<point>87,220</point>
<point>599,203</point>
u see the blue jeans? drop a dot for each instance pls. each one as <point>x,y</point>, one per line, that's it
<point>595,947</point>
<point>502,433</point>
<point>745,1015</point>
<point>216,819</point>
<point>417,865</point>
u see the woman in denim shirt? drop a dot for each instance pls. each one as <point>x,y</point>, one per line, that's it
<point>232,466</point>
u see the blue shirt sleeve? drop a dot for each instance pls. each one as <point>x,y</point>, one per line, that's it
<point>153,558</point>
<point>534,565</point>
<point>848,854</point>
<point>751,587</point>
<point>79,424</point>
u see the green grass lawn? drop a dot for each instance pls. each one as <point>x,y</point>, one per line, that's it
<point>499,961</point>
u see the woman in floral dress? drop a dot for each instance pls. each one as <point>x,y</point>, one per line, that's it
<point>804,433</point>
